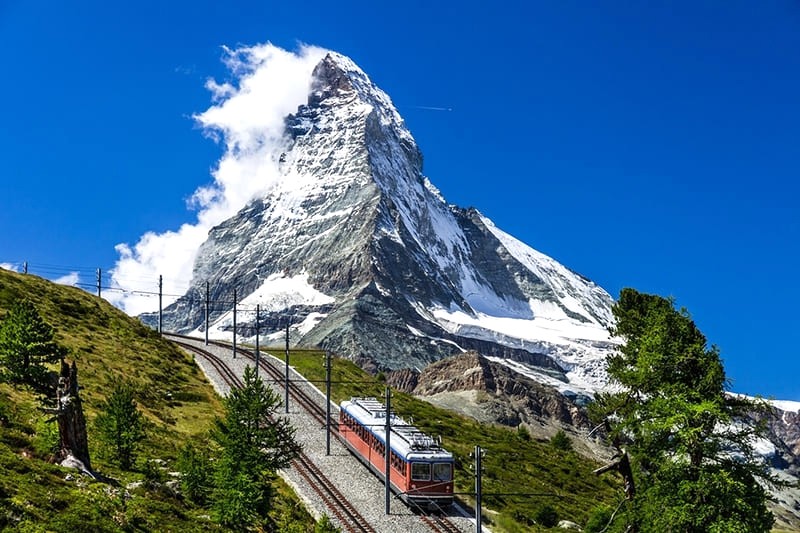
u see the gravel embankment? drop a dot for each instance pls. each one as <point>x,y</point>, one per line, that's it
<point>359,486</point>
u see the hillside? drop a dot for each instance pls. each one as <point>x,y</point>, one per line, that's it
<point>179,405</point>
<point>522,473</point>
<point>177,401</point>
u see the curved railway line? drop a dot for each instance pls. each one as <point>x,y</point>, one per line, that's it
<point>334,500</point>
<point>348,515</point>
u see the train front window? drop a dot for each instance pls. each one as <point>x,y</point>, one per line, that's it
<point>421,471</point>
<point>442,472</point>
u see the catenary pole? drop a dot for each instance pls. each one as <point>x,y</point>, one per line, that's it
<point>258,334</point>
<point>388,457</point>
<point>99,284</point>
<point>234,323</point>
<point>478,489</point>
<point>327,402</point>
<point>286,359</point>
<point>207,310</point>
<point>160,311</point>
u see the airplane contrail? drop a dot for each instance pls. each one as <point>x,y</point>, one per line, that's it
<point>430,108</point>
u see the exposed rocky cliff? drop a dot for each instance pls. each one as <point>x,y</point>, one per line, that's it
<point>503,396</point>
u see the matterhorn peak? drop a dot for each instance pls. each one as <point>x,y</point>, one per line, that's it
<point>338,82</point>
<point>361,254</point>
<point>330,78</point>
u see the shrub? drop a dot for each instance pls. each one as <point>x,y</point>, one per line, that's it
<point>120,425</point>
<point>46,441</point>
<point>598,520</point>
<point>546,516</point>
<point>560,441</point>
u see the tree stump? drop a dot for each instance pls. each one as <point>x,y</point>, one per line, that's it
<point>71,422</point>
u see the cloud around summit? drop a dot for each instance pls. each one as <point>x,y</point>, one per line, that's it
<point>247,112</point>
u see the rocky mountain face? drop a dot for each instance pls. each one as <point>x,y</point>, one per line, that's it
<point>783,433</point>
<point>358,251</point>
<point>503,396</point>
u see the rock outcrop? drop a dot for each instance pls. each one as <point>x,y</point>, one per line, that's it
<point>504,396</point>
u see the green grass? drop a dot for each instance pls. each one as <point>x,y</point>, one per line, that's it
<point>520,475</point>
<point>176,399</point>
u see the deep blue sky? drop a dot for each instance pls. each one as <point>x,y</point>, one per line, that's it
<point>651,146</point>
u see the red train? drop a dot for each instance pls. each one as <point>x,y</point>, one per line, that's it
<point>421,470</point>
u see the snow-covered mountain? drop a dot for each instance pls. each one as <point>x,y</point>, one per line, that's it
<point>358,250</point>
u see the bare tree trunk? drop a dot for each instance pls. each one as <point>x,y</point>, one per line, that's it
<point>623,466</point>
<point>71,422</point>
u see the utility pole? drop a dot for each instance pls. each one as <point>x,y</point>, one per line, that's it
<point>258,330</point>
<point>98,282</point>
<point>388,458</point>
<point>25,267</point>
<point>234,323</point>
<point>478,495</point>
<point>160,312</point>
<point>207,309</point>
<point>327,402</point>
<point>286,358</point>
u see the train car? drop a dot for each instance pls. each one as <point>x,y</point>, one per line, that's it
<point>421,472</point>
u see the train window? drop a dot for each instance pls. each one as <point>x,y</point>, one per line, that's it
<point>442,472</point>
<point>421,471</point>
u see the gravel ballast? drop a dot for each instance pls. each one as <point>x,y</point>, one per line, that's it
<point>364,490</point>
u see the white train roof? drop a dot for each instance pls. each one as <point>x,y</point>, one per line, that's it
<point>406,439</point>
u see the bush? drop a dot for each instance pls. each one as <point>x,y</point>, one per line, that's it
<point>598,520</point>
<point>46,441</point>
<point>120,425</point>
<point>325,526</point>
<point>560,441</point>
<point>546,516</point>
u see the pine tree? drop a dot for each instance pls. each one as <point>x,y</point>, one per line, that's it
<point>691,454</point>
<point>195,469</point>
<point>120,425</point>
<point>254,445</point>
<point>27,345</point>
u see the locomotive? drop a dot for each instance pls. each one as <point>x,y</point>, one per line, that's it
<point>421,472</point>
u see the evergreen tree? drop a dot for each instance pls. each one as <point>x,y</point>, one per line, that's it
<point>120,425</point>
<point>27,345</point>
<point>195,469</point>
<point>254,444</point>
<point>691,455</point>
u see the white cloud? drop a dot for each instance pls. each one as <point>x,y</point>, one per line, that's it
<point>71,279</point>
<point>247,116</point>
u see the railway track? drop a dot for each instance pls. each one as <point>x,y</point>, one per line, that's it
<point>438,523</point>
<point>349,517</point>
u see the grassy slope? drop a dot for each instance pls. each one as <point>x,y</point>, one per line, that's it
<point>180,404</point>
<point>175,397</point>
<point>534,472</point>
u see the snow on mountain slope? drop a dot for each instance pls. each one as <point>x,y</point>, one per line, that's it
<point>359,250</point>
